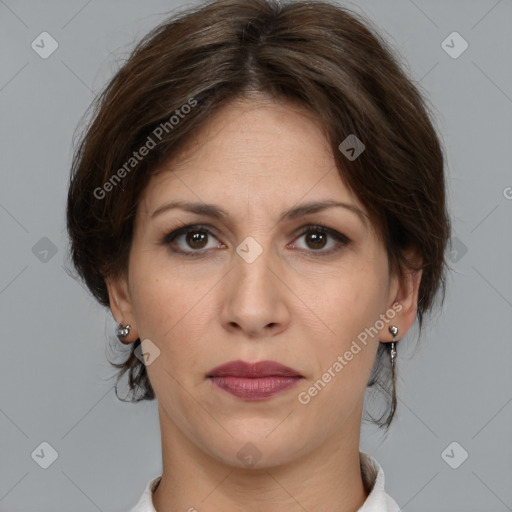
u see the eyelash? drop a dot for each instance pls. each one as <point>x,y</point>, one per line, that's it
<point>312,228</point>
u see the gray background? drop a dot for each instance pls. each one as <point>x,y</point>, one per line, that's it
<point>55,380</point>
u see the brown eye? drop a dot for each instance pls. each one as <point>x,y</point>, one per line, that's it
<point>316,239</point>
<point>197,239</point>
<point>320,240</point>
<point>191,240</point>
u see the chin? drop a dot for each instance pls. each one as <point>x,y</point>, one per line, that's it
<point>259,451</point>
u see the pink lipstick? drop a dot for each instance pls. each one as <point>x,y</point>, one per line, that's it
<point>254,381</point>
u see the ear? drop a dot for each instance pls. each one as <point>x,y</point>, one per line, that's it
<point>403,298</point>
<point>121,305</point>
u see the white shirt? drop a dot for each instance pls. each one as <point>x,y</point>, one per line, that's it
<point>373,476</point>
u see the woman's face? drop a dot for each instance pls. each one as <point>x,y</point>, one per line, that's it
<point>247,284</point>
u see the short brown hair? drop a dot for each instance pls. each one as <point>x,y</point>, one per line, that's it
<point>315,53</point>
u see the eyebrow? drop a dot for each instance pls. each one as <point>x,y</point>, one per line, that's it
<point>214,211</point>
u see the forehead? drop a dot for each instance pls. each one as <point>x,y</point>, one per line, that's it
<point>262,151</point>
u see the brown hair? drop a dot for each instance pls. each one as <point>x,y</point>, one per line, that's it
<point>312,52</point>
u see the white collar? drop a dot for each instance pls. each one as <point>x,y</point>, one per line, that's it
<point>373,477</point>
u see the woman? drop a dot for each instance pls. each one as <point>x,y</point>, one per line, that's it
<point>259,200</point>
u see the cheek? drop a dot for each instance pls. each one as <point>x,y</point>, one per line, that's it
<point>350,307</point>
<point>354,299</point>
<point>160,297</point>
<point>171,311</point>
<point>164,307</point>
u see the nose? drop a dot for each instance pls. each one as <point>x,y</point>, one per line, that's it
<point>255,300</point>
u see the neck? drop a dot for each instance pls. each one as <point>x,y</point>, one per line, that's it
<point>326,478</point>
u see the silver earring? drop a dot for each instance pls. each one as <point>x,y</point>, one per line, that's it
<point>393,329</point>
<point>122,332</point>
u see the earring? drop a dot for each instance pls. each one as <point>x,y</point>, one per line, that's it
<point>393,329</point>
<point>122,332</point>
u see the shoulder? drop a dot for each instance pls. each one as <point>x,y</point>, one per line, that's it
<point>145,503</point>
<point>373,477</point>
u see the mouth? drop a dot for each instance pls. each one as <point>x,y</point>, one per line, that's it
<point>254,381</point>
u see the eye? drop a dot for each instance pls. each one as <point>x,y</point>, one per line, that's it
<point>322,240</point>
<point>191,239</point>
<point>195,239</point>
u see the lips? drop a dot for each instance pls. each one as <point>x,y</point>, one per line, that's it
<point>253,370</point>
<point>254,381</point>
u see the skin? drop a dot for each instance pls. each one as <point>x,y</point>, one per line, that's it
<point>301,302</point>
